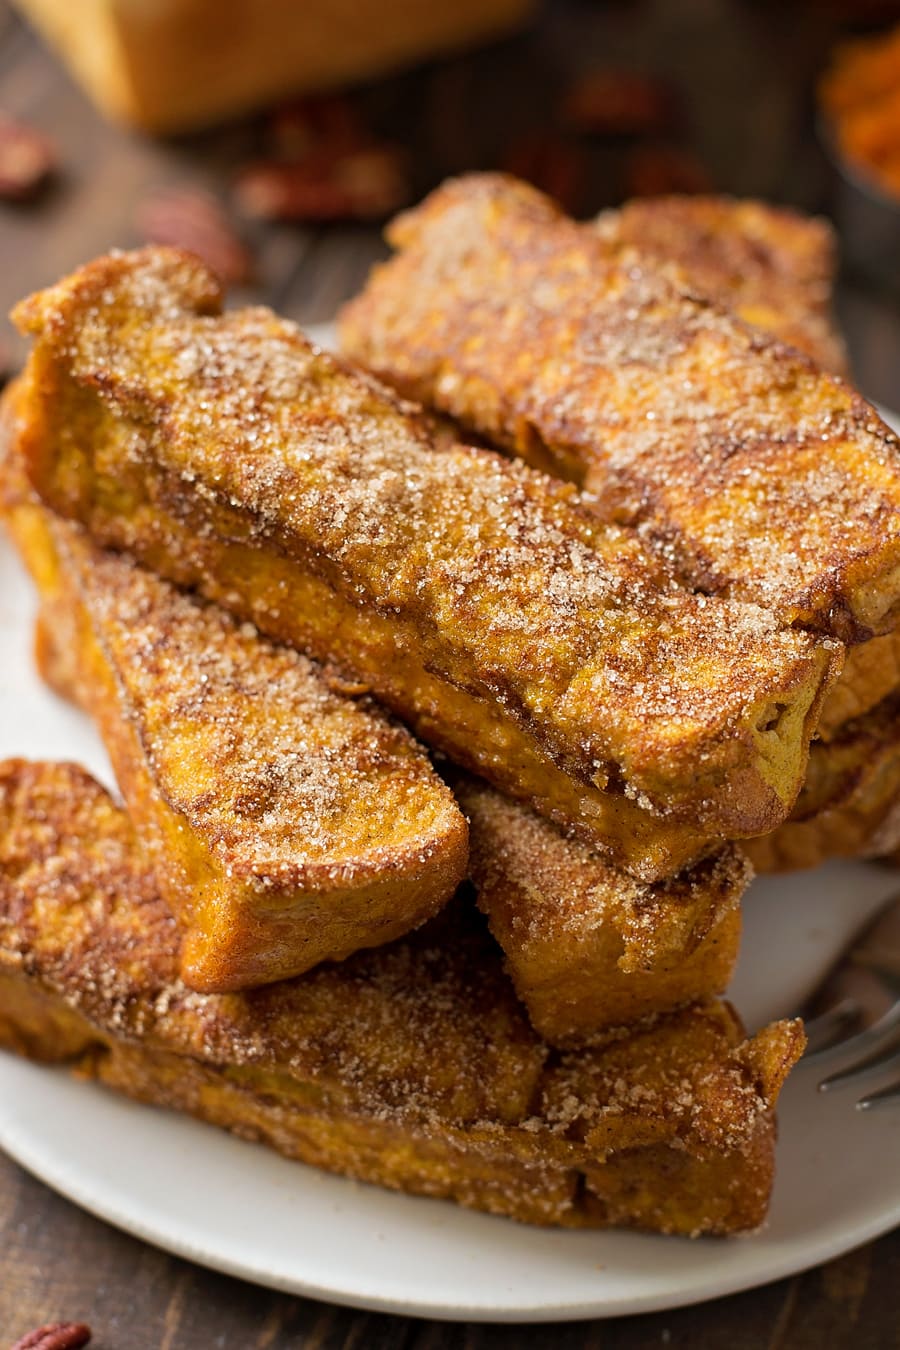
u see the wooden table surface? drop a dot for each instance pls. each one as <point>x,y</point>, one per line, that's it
<point>746,71</point>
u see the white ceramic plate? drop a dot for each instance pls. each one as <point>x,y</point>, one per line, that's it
<point>240,1209</point>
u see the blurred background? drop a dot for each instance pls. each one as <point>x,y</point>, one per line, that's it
<point>275,137</point>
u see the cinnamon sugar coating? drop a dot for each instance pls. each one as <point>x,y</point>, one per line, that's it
<point>870,673</point>
<point>411,1065</point>
<point>611,949</point>
<point>287,824</point>
<point>548,650</point>
<point>772,266</point>
<point>763,476</point>
<point>588,947</point>
<point>850,803</point>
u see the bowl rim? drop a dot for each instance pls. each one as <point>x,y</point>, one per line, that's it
<point>849,170</point>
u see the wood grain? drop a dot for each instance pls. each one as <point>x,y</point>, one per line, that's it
<point>59,1263</point>
<point>747,69</point>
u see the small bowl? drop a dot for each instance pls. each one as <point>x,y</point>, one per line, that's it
<point>868,221</point>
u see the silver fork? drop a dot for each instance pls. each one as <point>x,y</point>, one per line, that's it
<point>855,1012</point>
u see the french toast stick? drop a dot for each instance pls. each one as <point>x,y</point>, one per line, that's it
<point>512,629</point>
<point>850,804</point>
<point>764,477</point>
<point>410,1065</point>
<point>586,946</point>
<point>870,673</point>
<point>772,266</point>
<point>286,823</point>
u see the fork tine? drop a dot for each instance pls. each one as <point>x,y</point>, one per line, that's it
<point>885,1097</point>
<point>868,1039</point>
<point>825,1031</point>
<point>885,1043</point>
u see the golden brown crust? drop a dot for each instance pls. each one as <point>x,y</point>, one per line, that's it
<point>507,624</point>
<point>850,803</point>
<point>588,947</point>
<point>287,824</point>
<point>870,673</point>
<point>765,477</point>
<point>775,268</point>
<point>772,266</point>
<point>411,1064</point>
<point>22,517</point>
<point>620,950</point>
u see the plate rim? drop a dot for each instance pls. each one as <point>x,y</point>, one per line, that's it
<point>744,1276</point>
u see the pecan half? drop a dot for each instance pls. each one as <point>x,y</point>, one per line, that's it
<point>55,1336</point>
<point>657,170</point>
<point>192,219</point>
<point>364,184</point>
<point>551,163</point>
<point>296,129</point>
<point>27,159</point>
<point>620,103</point>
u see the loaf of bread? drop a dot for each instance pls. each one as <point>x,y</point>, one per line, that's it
<point>167,65</point>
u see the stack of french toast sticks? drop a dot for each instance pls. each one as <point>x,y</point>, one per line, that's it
<point>271,581</point>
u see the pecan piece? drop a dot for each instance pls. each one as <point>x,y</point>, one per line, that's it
<point>194,220</point>
<point>550,163</point>
<point>364,184</point>
<point>620,103</point>
<point>55,1336</point>
<point>296,129</point>
<point>27,159</point>
<point>657,170</point>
